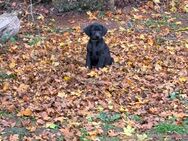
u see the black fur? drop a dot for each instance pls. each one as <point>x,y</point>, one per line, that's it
<point>98,54</point>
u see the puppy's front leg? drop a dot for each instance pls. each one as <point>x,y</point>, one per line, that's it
<point>101,62</point>
<point>88,61</point>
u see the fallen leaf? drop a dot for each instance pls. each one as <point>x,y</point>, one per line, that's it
<point>6,86</point>
<point>62,94</point>
<point>66,78</point>
<point>22,88</point>
<point>26,112</point>
<point>128,131</point>
<point>156,1</point>
<point>142,137</point>
<point>12,64</point>
<point>183,79</point>
<point>92,74</point>
<point>51,126</point>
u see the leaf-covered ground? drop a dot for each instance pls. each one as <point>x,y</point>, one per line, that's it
<point>46,93</point>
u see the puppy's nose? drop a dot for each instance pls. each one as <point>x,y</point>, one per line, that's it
<point>98,35</point>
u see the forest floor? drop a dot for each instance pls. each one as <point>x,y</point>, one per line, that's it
<point>46,93</point>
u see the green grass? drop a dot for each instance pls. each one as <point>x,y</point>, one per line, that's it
<point>163,21</point>
<point>170,128</point>
<point>84,135</point>
<point>105,117</point>
<point>4,113</point>
<point>104,138</point>
<point>33,41</point>
<point>6,76</point>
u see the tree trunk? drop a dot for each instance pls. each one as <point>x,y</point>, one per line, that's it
<point>9,26</point>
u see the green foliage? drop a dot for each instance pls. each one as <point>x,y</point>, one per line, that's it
<point>16,130</point>
<point>60,138</point>
<point>163,21</point>
<point>170,128</point>
<point>6,76</point>
<point>136,118</point>
<point>84,135</point>
<point>107,127</point>
<point>4,113</point>
<point>33,41</point>
<point>174,95</point>
<point>109,118</point>
<point>105,138</point>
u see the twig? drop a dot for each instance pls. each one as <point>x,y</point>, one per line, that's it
<point>31,10</point>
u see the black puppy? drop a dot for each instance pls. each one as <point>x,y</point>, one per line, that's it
<point>98,54</point>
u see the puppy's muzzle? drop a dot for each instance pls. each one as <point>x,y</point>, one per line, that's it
<point>97,36</point>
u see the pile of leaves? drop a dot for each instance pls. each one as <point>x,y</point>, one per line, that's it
<point>46,92</point>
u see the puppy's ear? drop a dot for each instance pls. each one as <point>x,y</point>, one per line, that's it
<point>87,30</point>
<point>104,30</point>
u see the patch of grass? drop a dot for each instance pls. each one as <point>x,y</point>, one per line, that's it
<point>84,136</point>
<point>170,128</point>
<point>163,21</point>
<point>105,138</point>
<point>106,127</point>
<point>63,30</point>
<point>174,95</point>
<point>105,117</point>
<point>4,113</point>
<point>33,41</point>
<point>7,76</point>
<point>22,131</point>
<point>60,138</point>
<point>101,14</point>
<point>136,118</point>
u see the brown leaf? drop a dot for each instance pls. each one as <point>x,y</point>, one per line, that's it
<point>112,133</point>
<point>67,133</point>
<point>26,112</point>
<point>22,88</point>
<point>14,137</point>
<point>6,86</point>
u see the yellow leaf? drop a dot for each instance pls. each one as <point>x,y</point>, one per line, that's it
<point>182,79</point>
<point>62,94</point>
<point>142,137</point>
<point>186,45</point>
<point>12,64</point>
<point>179,23</point>
<point>77,93</point>
<point>105,69</point>
<point>128,131</point>
<point>156,1</point>
<point>185,8</point>
<point>158,67</point>
<point>122,109</point>
<point>22,88</point>
<point>110,107</point>
<point>5,86</point>
<point>142,37</point>
<point>150,41</point>
<point>100,108</point>
<point>92,74</point>
<point>41,17</point>
<point>91,15</point>
<point>62,44</point>
<point>55,64</point>
<point>122,29</point>
<point>66,78</point>
<point>26,112</point>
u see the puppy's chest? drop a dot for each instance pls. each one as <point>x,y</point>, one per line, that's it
<point>96,48</point>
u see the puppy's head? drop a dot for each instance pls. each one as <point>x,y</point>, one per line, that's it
<point>95,31</point>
